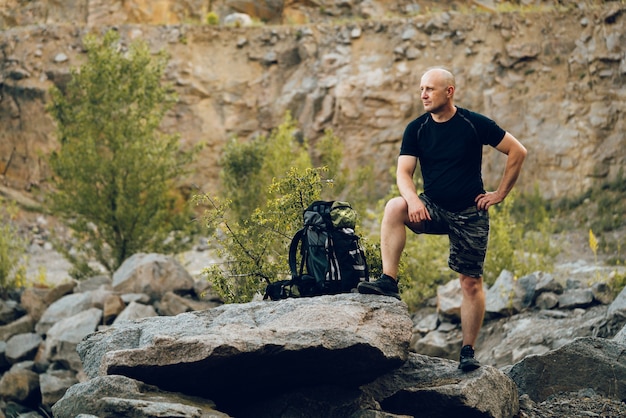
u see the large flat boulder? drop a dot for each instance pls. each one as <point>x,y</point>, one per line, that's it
<point>249,350</point>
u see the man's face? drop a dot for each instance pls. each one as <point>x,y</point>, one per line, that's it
<point>435,93</point>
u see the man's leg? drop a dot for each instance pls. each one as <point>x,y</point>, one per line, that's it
<point>472,315</point>
<point>472,308</point>
<point>392,241</point>
<point>393,235</point>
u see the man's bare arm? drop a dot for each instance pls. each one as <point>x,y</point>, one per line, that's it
<point>404,178</point>
<point>516,153</point>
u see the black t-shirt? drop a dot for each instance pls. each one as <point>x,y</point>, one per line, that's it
<point>450,155</point>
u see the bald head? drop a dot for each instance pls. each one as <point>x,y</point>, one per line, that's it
<point>437,87</point>
<point>440,76</point>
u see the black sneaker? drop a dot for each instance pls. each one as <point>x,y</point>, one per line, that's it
<point>384,285</point>
<point>468,362</point>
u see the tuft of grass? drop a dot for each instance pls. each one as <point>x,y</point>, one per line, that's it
<point>12,250</point>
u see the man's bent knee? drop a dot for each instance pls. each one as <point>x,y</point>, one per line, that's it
<point>397,206</point>
<point>396,210</point>
<point>471,286</point>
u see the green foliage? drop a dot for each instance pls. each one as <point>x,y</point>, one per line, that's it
<point>212,19</point>
<point>348,183</point>
<point>617,282</point>
<point>248,168</point>
<point>267,183</point>
<point>255,249</point>
<point>12,249</point>
<point>519,244</point>
<point>115,172</point>
<point>599,208</point>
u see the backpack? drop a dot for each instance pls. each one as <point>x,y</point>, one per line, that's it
<point>331,258</point>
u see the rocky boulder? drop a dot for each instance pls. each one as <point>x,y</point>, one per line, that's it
<point>595,363</point>
<point>255,349</point>
<point>426,386</point>
<point>340,355</point>
<point>117,396</point>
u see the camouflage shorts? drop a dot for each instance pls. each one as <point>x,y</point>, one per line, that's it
<point>468,231</point>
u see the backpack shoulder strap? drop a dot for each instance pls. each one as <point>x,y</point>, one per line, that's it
<point>293,250</point>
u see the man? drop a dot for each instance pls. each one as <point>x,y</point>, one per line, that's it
<point>447,140</point>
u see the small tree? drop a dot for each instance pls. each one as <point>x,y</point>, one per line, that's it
<point>114,171</point>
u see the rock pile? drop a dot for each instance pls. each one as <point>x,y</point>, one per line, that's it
<point>145,343</point>
<point>528,315</point>
<point>41,327</point>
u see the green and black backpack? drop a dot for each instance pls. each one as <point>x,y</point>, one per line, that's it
<point>331,259</point>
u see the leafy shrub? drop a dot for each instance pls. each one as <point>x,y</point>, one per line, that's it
<point>267,184</point>
<point>212,19</point>
<point>520,244</point>
<point>115,172</point>
<point>255,250</point>
<point>12,249</point>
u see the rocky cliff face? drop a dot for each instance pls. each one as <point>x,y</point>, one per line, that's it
<point>554,80</point>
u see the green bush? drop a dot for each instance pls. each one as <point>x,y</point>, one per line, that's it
<point>115,173</point>
<point>519,242</point>
<point>255,250</point>
<point>267,184</point>
<point>212,19</point>
<point>12,250</point>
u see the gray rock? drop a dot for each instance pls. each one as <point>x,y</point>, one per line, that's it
<point>63,337</point>
<point>173,304</point>
<point>620,337</point>
<point>120,396</point>
<point>587,362</point>
<point>438,344</point>
<point>576,298</point>
<point>619,304</point>
<point>449,298</point>
<point>65,307</point>
<point>135,310</point>
<point>93,283</point>
<point>22,347</point>
<point>425,321</point>
<point>22,325</point>
<point>4,363</point>
<point>436,388</point>
<point>349,339</point>
<point>53,385</point>
<point>509,295</point>
<point>602,293</point>
<point>9,311</point>
<point>547,300</point>
<point>152,274</point>
<point>546,282</point>
<point>20,385</point>
<point>36,300</point>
